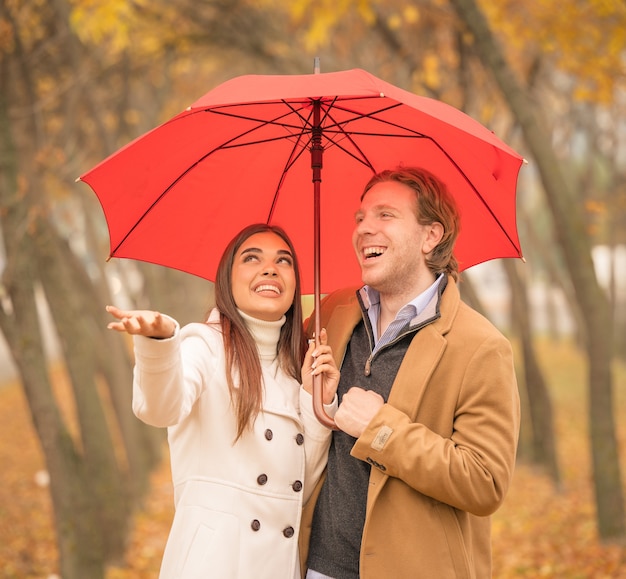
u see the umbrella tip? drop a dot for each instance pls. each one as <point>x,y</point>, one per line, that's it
<point>77,179</point>
<point>316,65</point>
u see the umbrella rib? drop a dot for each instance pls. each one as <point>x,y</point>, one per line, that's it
<point>292,159</point>
<point>340,131</point>
<point>290,162</point>
<point>298,134</point>
<point>416,134</point>
<point>198,161</point>
<point>478,195</point>
<point>297,130</point>
<point>333,134</point>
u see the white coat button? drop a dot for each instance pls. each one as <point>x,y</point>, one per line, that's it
<point>261,479</point>
<point>297,486</point>
<point>255,525</point>
<point>299,439</point>
<point>269,434</point>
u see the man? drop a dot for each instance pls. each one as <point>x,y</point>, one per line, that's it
<point>429,406</point>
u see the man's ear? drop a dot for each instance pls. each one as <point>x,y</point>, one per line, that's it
<point>434,235</point>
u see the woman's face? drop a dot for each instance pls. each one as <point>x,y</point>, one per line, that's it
<point>263,277</point>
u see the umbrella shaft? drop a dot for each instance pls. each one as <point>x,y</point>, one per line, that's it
<point>317,151</point>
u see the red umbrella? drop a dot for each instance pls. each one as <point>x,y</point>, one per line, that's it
<point>248,150</point>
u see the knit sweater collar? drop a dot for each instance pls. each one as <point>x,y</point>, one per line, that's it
<point>265,334</point>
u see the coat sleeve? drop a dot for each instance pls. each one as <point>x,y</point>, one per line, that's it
<point>169,375</point>
<point>471,467</point>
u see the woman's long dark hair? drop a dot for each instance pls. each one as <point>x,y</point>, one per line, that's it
<point>242,358</point>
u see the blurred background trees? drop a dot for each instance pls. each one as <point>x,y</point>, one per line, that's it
<point>80,78</point>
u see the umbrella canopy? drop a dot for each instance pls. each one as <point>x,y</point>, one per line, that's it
<point>240,154</point>
<point>296,151</point>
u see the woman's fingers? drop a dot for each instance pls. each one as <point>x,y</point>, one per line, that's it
<point>115,312</point>
<point>143,322</point>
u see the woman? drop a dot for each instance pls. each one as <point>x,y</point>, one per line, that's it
<point>246,449</point>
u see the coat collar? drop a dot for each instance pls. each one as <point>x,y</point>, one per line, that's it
<point>341,313</point>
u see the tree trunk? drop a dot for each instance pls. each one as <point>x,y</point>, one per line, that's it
<point>79,474</point>
<point>184,296</point>
<point>539,402</point>
<point>142,444</point>
<point>556,278</point>
<point>569,224</point>
<point>470,296</point>
<point>67,291</point>
<point>79,540</point>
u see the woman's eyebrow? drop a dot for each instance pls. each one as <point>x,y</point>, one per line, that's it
<point>259,250</point>
<point>252,250</point>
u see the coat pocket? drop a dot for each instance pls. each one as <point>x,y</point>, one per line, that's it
<point>203,543</point>
<point>454,539</point>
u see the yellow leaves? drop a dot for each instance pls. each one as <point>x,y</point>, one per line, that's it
<point>319,17</point>
<point>394,22</point>
<point>429,73</point>
<point>132,117</point>
<point>29,23</point>
<point>27,547</point>
<point>431,70</point>
<point>409,15</point>
<point>119,25</point>
<point>595,206</point>
<point>6,36</point>
<point>104,21</point>
<point>582,38</point>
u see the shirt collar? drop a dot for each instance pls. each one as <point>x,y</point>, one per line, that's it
<point>410,310</point>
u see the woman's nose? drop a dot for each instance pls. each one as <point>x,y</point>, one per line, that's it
<point>269,270</point>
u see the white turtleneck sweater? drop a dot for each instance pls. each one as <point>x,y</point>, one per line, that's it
<point>266,335</point>
<point>238,505</point>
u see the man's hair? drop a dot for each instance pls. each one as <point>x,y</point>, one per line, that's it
<point>242,358</point>
<point>434,203</point>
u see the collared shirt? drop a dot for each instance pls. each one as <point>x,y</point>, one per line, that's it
<point>404,315</point>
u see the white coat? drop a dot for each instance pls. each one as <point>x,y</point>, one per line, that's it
<point>238,505</point>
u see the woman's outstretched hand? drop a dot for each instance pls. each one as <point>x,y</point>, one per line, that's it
<point>319,361</point>
<point>142,323</point>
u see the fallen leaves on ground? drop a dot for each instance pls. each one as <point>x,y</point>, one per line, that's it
<point>539,532</point>
<point>27,540</point>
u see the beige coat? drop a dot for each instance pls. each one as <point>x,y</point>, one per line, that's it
<point>443,447</point>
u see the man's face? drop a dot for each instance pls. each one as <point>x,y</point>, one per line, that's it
<point>391,246</point>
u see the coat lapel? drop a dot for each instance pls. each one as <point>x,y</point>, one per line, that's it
<point>423,356</point>
<point>418,365</point>
<point>340,314</point>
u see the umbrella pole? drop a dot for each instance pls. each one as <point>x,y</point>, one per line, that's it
<point>316,166</point>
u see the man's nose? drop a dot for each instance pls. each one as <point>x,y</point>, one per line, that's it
<point>363,226</point>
